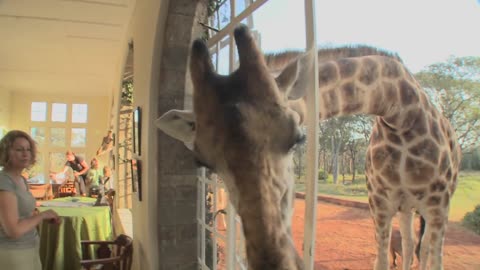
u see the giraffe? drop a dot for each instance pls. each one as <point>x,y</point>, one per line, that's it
<point>242,128</point>
<point>412,159</point>
<point>413,155</point>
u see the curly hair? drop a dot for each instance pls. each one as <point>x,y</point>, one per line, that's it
<point>7,141</point>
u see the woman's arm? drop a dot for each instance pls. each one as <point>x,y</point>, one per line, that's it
<point>10,221</point>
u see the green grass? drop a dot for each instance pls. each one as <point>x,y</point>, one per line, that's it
<point>466,197</point>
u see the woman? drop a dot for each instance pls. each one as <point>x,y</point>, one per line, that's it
<point>19,240</point>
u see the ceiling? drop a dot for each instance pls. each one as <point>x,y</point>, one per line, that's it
<point>62,46</point>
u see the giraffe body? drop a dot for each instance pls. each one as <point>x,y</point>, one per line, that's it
<point>413,156</point>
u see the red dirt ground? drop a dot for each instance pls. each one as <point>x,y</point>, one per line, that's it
<point>345,240</point>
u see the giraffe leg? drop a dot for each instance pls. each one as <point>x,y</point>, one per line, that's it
<point>406,230</point>
<point>439,224</point>
<point>425,247</point>
<point>383,230</point>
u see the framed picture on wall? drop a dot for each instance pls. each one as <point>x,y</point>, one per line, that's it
<point>137,130</point>
<point>136,169</point>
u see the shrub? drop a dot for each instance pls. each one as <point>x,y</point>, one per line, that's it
<point>472,220</point>
<point>322,175</point>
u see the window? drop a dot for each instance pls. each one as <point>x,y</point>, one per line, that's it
<point>57,137</point>
<point>79,113</point>
<point>39,112</point>
<point>57,161</point>
<point>38,134</point>
<point>59,112</point>
<point>78,137</point>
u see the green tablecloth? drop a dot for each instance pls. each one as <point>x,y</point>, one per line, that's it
<point>60,247</point>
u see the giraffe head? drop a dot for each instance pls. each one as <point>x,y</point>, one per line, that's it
<point>243,128</point>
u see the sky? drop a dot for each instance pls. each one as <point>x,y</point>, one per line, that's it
<point>422,32</point>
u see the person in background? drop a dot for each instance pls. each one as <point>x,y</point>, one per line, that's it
<point>94,176</point>
<point>19,241</point>
<point>80,169</point>
<point>107,143</point>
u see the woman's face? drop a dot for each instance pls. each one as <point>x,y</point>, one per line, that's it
<point>70,157</point>
<point>20,154</point>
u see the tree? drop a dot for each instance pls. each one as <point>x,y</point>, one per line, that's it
<point>454,87</point>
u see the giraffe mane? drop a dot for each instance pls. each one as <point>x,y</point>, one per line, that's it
<point>276,61</point>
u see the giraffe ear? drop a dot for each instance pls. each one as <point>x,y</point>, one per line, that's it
<point>178,124</point>
<point>304,71</point>
<point>288,77</point>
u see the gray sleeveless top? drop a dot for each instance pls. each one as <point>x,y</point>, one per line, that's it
<point>26,205</point>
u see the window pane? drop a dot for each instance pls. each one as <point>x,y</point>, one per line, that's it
<point>57,136</point>
<point>57,161</point>
<point>39,111</point>
<point>59,112</point>
<point>79,113</point>
<point>38,134</point>
<point>78,137</point>
<point>36,173</point>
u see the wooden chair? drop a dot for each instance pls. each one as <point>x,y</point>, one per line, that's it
<point>111,255</point>
<point>41,191</point>
<point>67,189</point>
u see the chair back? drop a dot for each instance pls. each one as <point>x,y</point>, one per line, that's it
<point>67,189</point>
<point>124,249</point>
<point>40,191</point>
<point>111,255</point>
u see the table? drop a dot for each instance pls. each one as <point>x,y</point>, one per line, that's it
<point>60,246</point>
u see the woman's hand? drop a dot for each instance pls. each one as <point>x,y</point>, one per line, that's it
<point>51,216</point>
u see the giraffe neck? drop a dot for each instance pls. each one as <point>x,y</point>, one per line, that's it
<point>263,211</point>
<point>278,61</point>
<point>374,85</point>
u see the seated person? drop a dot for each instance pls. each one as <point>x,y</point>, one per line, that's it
<point>94,175</point>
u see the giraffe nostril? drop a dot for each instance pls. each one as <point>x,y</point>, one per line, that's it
<point>301,138</point>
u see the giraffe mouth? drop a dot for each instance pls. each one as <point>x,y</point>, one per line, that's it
<point>200,163</point>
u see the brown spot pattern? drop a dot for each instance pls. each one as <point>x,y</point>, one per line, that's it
<point>426,149</point>
<point>435,212</point>
<point>418,171</point>
<point>379,202</point>
<point>438,185</point>
<point>394,138</point>
<point>444,162</point>
<point>408,94</point>
<point>420,125</point>
<point>347,67</point>
<point>351,102</point>
<point>434,200</point>
<point>391,69</point>
<point>418,193</point>
<point>391,174</point>
<point>369,71</point>
<point>435,132</point>
<point>376,105</point>
<point>390,91</point>
<point>379,155</point>
<point>448,175</point>
<point>446,199</point>
<point>331,102</point>
<point>408,136</point>
<point>327,73</point>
